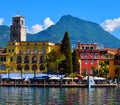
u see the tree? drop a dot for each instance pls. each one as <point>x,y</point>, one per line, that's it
<point>75,61</point>
<point>66,50</point>
<point>55,58</point>
<point>103,69</point>
<point>94,71</point>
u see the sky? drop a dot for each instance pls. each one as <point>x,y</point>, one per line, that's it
<point>40,14</point>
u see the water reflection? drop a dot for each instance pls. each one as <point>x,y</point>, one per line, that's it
<point>59,96</point>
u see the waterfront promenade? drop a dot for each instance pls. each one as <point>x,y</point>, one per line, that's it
<point>62,85</point>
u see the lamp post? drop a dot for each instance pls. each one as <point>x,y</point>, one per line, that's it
<point>34,72</point>
<point>9,72</point>
<point>61,72</point>
<point>21,71</point>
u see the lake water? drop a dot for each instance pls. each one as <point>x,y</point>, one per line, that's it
<point>59,96</point>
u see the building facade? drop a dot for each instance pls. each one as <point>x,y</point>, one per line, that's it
<point>89,58</point>
<point>17,29</point>
<point>21,56</point>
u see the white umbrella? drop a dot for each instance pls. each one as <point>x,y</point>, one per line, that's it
<point>27,79</point>
<point>76,78</point>
<point>67,78</point>
<point>55,78</point>
<point>99,78</point>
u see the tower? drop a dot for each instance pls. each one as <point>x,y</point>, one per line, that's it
<point>17,29</point>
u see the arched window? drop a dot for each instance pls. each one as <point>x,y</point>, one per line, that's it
<point>26,60</point>
<point>26,67</point>
<point>42,67</point>
<point>42,59</point>
<point>19,59</point>
<point>19,67</point>
<point>34,59</point>
<point>34,67</point>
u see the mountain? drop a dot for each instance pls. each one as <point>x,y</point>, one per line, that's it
<point>79,30</point>
<point>4,35</point>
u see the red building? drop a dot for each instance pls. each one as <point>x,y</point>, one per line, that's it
<point>89,58</point>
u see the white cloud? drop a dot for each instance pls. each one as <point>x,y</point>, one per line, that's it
<point>47,22</point>
<point>1,21</point>
<point>37,27</point>
<point>111,25</point>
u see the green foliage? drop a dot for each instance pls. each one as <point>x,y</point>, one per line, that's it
<point>103,70</point>
<point>72,75</point>
<point>66,50</point>
<point>65,46</point>
<point>75,61</point>
<point>55,58</point>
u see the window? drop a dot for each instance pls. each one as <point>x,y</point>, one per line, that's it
<point>26,67</point>
<point>34,67</point>
<point>42,59</point>
<point>92,61</point>
<point>82,55</point>
<point>28,44</point>
<point>92,54</point>
<point>87,48</point>
<point>83,48</point>
<point>91,48</point>
<point>43,43</point>
<point>27,51</point>
<point>96,54</point>
<point>86,54</point>
<point>12,50</point>
<point>3,59</point>
<point>22,22</point>
<point>35,51</point>
<point>43,51</point>
<point>19,59</point>
<point>42,67</point>
<point>35,43</point>
<point>2,67</point>
<point>9,50</point>
<point>11,59</point>
<point>20,51</point>
<point>34,59</point>
<point>19,67</point>
<point>26,60</point>
<point>86,61</point>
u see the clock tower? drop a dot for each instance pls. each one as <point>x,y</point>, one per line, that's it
<point>17,29</point>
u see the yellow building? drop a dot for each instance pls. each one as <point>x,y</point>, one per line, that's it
<point>3,61</point>
<point>28,56</point>
<point>21,55</point>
